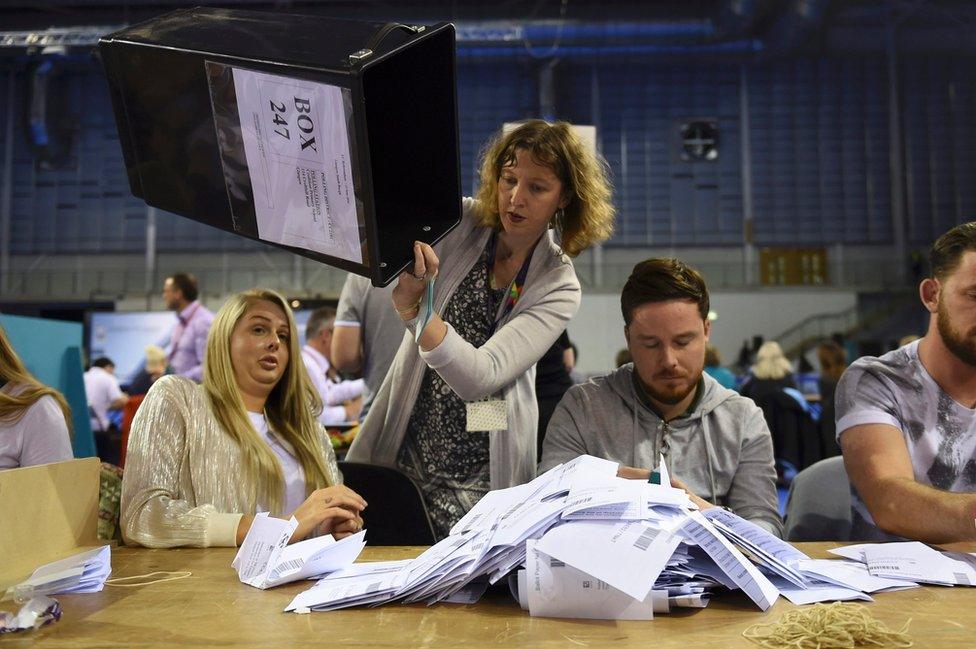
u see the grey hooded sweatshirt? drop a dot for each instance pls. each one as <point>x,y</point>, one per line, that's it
<point>722,449</point>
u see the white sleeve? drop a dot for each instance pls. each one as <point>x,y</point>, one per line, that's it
<point>332,415</point>
<point>336,393</point>
<point>112,386</point>
<point>862,397</point>
<point>45,434</point>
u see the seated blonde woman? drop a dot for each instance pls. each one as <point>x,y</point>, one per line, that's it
<point>203,460</point>
<point>34,419</point>
<point>771,373</point>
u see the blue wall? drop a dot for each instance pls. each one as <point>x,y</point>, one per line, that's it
<point>51,351</point>
<point>637,109</point>
<point>820,152</point>
<point>818,128</point>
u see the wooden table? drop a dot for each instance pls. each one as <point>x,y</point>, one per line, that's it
<point>212,608</point>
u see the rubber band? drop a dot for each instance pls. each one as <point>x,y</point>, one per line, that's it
<point>173,577</point>
<point>827,626</point>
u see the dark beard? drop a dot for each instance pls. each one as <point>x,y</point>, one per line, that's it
<point>669,399</point>
<point>962,347</point>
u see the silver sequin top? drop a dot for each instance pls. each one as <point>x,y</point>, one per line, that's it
<point>182,483</point>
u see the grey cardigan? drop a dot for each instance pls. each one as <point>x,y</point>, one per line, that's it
<point>505,363</point>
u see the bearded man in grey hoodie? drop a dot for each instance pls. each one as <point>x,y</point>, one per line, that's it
<point>715,442</point>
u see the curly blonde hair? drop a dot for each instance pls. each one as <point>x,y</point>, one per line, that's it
<point>589,213</point>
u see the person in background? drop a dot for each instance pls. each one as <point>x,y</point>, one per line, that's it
<point>34,419</point>
<point>715,442</point>
<point>204,459</point>
<point>457,412</point>
<point>104,394</point>
<point>714,368</point>
<point>623,357</point>
<point>551,381</point>
<point>188,340</point>
<point>341,400</point>
<point>153,369</point>
<point>852,349</point>
<point>833,362</point>
<point>906,421</point>
<point>366,334</point>
<point>771,373</point>
<point>572,360</point>
<point>744,359</point>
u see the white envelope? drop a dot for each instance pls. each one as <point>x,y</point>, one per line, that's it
<point>555,589</point>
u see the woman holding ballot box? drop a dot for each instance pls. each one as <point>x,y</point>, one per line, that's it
<point>457,410</point>
<point>203,460</point>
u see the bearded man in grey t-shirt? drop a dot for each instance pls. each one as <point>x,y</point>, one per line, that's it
<point>906,421</point>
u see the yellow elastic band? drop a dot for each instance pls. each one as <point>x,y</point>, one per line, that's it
<point>173,576</point>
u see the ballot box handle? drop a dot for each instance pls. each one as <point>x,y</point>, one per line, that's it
<point>382,33</point>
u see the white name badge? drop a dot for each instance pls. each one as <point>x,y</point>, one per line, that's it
<point>487,415</point>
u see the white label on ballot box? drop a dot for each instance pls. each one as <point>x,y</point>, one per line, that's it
<point>487,415</point>
<point>297,147</point>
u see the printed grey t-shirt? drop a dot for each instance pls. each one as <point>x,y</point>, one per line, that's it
<point>370,308</point>
<point>940,433</point>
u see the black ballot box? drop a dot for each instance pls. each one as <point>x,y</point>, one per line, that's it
<point>335,139</point>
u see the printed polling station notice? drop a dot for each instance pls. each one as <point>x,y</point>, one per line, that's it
<point>297,148</point>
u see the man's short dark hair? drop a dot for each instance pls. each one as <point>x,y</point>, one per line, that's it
<point>102,362</point>
<point>187,284</point>
<point>661,280</point>
<point>947,251</point>
<point>320,318</point>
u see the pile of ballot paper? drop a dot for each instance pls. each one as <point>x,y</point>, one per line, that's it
<point>84,572</point>
<point>580,542</point>
<point>265,558</point>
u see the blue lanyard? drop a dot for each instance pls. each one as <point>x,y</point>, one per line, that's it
<point>428,312</point>
<point>515,289</point>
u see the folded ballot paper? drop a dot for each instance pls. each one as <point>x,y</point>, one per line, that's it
<point>265,559</point>
<point>580,542</point>
<point>548,587</point>
<point>913,561</point>
<point>84,572</point>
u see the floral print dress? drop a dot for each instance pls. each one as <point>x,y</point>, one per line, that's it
<point>449,464</point>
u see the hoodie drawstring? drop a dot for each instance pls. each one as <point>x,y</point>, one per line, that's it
<point>708,457</point>
<point>636,429</point>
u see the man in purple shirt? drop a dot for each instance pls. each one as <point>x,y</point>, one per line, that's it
<point>188,340</point>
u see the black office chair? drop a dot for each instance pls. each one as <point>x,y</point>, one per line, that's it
<point>396,514</point>
<point>819,504</point>
<point>796,436</point>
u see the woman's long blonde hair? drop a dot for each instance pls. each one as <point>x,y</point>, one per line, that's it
<point>291,407</point>
<point>770,362</point>
<point>12,371</point>
<point>588,216</point>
